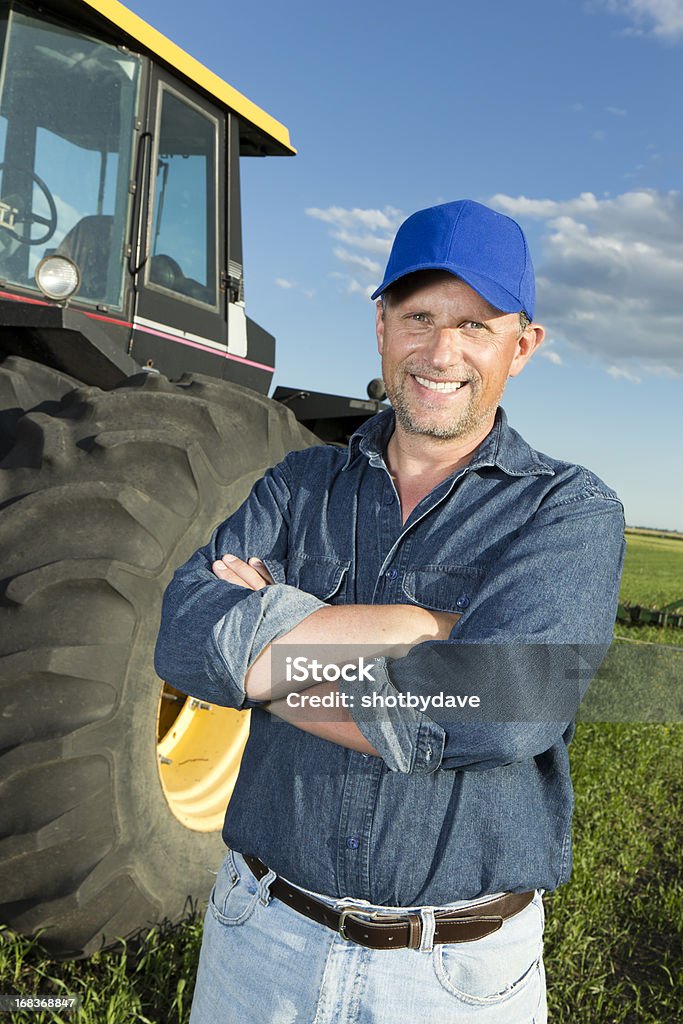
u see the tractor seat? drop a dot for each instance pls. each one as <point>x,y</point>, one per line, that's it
<point>88,244</point>
<point>167,273</point>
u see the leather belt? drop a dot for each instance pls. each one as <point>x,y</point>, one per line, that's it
<point>396,931</point>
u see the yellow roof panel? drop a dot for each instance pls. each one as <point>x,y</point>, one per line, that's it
<point>142,34</point>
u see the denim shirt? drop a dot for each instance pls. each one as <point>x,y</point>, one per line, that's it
<point>526,548</point>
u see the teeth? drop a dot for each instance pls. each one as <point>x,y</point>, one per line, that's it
<point>440,385</point>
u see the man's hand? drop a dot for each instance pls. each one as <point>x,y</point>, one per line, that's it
<point>251,574</point>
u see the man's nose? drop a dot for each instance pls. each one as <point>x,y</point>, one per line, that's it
<point>446,349</point>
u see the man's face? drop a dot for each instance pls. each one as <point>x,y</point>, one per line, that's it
<point>447,354</point>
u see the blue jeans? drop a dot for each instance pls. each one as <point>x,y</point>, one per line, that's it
<point>263,963</point>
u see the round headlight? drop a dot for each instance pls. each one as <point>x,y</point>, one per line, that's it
<point>57,277</point>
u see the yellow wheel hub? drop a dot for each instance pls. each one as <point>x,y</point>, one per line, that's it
<point>199,749</point>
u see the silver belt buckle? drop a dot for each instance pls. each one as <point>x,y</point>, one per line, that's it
<point>346,912</point>
<point>374,915</point>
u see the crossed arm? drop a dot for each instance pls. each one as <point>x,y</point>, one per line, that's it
<point>387,630</point>
<point>554,587</point>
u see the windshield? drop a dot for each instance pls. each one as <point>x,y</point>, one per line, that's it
<point>67,105</point>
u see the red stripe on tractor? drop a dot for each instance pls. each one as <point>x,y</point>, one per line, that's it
<point>41,302</point>
<point>20,298</point>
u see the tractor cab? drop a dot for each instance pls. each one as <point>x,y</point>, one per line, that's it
<point>120,218</point>
<point>120,224</point>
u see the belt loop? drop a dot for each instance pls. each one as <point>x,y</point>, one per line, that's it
<point>414,931</point>
<point>428,929</point>
<point>264,887</point>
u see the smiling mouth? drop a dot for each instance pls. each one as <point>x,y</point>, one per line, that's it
<point>440,385</point>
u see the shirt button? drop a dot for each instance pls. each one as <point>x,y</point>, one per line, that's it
<point>391,574</point>
<point>389,499</point>
<point>353,842</point>
<point>463,601</point>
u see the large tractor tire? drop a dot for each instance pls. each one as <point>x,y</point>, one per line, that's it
<point>26,385</point>
<point>112,785</point>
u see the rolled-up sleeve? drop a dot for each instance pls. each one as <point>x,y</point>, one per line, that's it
<point>212,631</point>
<point>527,649</point>
<point>407,740</point>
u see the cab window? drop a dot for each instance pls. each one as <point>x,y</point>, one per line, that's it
<point>182,246</point>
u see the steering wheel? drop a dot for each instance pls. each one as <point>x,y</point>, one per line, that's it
<point>28,219</point>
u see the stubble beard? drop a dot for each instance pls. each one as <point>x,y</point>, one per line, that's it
<point>470,421</point>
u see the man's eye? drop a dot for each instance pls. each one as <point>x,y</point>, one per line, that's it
<point>474,324</point>
<point>420,317</point>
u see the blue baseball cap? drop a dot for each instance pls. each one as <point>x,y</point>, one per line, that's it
<point>486,249</point>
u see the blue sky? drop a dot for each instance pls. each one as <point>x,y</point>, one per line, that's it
<point>566,115</point>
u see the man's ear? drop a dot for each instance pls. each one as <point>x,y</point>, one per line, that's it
<point>379,325</point>
<point>528,342</point>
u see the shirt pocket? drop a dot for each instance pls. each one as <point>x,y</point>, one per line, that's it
<point>324,577</point>
<point>277,569</point>
<point>443,588</point>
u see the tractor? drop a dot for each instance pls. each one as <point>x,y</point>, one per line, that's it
<point>134,418</point>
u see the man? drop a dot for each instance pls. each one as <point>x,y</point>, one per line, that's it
<point>386,860</point>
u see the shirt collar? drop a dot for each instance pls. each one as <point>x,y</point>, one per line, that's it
<point>502,447</point>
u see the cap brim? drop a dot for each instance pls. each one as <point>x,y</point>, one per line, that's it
<point>494,293</point>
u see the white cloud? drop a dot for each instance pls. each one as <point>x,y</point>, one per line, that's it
<point>283,282</point>
<point>609,275</point>
<point>661,18</point>
<point>372,220</point>
<point>548,352</point>
<point>621,373</point>
<point>361,232</point>
<point>356,288</point>
<point>521,206</point>
<point>370,243</point>
<point>362,262</point>
<point>351,285</point>
<point>616,111</point>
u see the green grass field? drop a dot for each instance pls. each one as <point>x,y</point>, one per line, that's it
<point>653,576</point>
<point>613,935</point>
